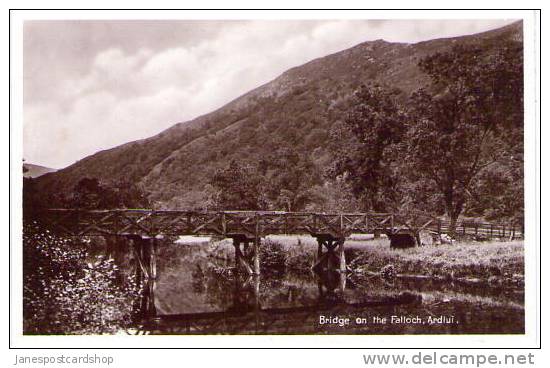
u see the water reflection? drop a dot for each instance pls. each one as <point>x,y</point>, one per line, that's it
<point>195,294</point>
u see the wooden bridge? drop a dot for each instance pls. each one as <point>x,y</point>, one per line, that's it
<point>247,228</point>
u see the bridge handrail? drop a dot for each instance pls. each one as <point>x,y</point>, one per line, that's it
<point>244,212</point>
<point>230,222</point>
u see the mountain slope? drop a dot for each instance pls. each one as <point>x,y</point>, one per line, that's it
<point>295,111</point>
<point>34,171</point>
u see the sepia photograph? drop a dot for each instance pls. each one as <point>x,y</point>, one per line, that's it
<point>273,177</point>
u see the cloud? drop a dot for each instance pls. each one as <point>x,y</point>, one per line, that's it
<point>126,93</point>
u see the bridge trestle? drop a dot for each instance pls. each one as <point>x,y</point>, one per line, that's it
<point>145,252</point>
<point>334,257</point>
<point>247,254</point>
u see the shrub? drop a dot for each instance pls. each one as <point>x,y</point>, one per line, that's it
<point>272,256</point>
<point>65,291</point>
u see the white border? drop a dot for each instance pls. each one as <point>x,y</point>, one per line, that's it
<point>532,135</point>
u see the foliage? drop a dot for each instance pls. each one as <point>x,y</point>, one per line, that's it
<point>288,179</point>
<point>237,187</point>
<point>272,256</point>
<point>283,180</point>
<point>372,128</point>
<point>436,152</point>
<point>65,291</point>
<point>474,122</point>
<point>497,194</point>
<point>388,272</point>
<point>468,259</point>
<point>501,260</point>
<point>335,196</point>
<point>89,193</point>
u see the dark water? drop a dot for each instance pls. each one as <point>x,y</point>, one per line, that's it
<point>197,294</point>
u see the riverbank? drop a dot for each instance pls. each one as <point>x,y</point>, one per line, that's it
<point>497,263</point>
<point>494,263</point>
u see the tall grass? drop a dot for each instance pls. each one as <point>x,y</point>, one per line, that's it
<point>492,261</point>
<point>498,262</point>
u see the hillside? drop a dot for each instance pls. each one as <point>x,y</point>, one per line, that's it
<point>295,112</point>
<point>34,171</point>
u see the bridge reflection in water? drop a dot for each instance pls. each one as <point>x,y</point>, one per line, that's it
<point>246,315</point>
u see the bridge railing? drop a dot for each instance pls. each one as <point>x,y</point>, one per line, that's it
<point>151,223</point>
<point>225,223</point>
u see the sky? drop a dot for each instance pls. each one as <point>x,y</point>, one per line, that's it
<point>93,85</point>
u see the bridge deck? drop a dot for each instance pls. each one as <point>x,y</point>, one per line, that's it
<point>251,224</point>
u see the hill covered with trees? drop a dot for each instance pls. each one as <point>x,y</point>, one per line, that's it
<point>436,125</point>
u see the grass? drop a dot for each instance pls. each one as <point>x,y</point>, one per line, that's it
<point>495,262</point>
<point>499,263</point>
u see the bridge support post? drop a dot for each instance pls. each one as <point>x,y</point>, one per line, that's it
<point>152,255</point>
<point>342,255</point>
<point>147,303</point>
<point>329,283</point>
<point>247,258</point>
<point>330,260</point>
<point>145,251</point>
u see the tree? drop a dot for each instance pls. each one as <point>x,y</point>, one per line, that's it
<point>334,196</point>
<point>470,122</point>
<point>89,193</point>
<point>365,146</point>
<point>497,194</point>
<point>434,152</point>
<point>289,179</point>
<point>237,187</point>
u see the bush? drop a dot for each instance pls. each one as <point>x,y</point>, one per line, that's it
<point>66,291</point>
<point>272,256</point>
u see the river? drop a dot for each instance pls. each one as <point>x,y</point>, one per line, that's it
<point>195,293</point>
